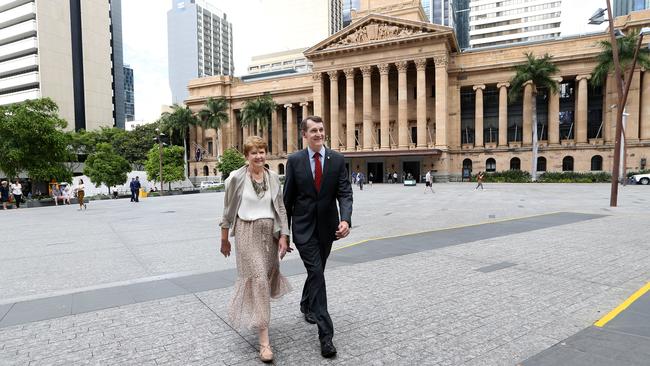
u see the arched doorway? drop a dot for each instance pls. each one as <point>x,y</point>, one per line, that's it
<point>280,168</point>
<point>515,164</point>
<point>490,165</point>
<point>467,169</point>
<point>206,171</point>
<point>541,164</point>
<point>196,172</point>
<point>597,162</point>
<point>567,164</point>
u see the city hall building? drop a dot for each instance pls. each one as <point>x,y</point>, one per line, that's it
<point>398,95</point>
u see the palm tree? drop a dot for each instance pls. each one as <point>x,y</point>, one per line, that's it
<point>179,121</point>
<point>215,114</point>
<point>257,112</point>
<point>540,72</point>
<point>605,58</point>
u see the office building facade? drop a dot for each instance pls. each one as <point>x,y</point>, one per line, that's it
<point>200,44</point>
<point>500,22</point>
<point>623,7</point>
<point>129,96</point>
<point>64,50</point>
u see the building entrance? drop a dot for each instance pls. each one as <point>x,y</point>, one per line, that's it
<point>377,170</point>
<point>412,167</point>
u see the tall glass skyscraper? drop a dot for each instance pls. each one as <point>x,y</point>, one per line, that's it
<point>348,6</point>
<point>199,39</point>
<point>129,97</point>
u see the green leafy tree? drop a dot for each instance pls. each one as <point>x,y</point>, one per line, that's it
<point>605,59</point>
<point>173,169</point>
<point>178,122</point>
<point>540,72</point>
<point>137,144</point>
<point>257,112</point>
<point>230,161</point>
<point>32,140</point>
<point>106,166</point>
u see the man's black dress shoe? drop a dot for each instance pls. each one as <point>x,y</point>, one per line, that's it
<point>327,349</point>
<point>310,318</point>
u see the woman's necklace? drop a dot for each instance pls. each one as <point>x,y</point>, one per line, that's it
<point>259,187</point>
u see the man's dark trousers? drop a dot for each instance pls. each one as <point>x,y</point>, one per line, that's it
<point>314,294</point>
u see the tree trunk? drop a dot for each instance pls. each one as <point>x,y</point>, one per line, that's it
<point>533,169</point>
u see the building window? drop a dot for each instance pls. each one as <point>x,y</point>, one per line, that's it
<point>597,162</point>
<point>541,164</point>
<point>515,164</point>
<point>206,171</point>
<point>490,165</point>
<point>567,164</point>
<point>280,168</point>
<point>210,148</point>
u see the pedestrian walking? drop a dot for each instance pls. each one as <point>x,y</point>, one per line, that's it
<point>132,188</point>
<point>360,180</point>
<point>4,194</point>
<point>428,182</point>
<point>394,177</point>
<point>17,192</point>
<point>370,176</point>
<point>315,182</point>
<point>479,179</point>
<point>254,212</point>
<point>81,193</point>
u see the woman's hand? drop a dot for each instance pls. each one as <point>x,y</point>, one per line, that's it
<point>283,246</point>
<point>225,247</point>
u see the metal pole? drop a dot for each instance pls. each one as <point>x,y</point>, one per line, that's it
<point>160,158</point>
<point>619,111</point>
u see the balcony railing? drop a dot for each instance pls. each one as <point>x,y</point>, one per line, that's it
<point>20,96</point>
<point>13,66</point>
<point>17,31</point>
<point>19,48</point>
<point>18,14</point>
<point>23,81</point>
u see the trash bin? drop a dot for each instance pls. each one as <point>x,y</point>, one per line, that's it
<point>143,193</point>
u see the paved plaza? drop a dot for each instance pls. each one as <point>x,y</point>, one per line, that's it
<point>517,273</point>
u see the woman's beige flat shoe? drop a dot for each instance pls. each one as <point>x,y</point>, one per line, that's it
<point>266,353</point>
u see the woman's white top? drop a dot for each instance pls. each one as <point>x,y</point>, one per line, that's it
<point>253,208</point>
<point>17,189</point>
<point>80,187</point>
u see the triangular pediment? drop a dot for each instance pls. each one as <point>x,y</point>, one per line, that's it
<point>375,29</point>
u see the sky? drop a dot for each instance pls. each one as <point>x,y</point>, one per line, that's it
<point>144,34</point>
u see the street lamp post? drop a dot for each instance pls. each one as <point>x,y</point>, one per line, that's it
<point>160,159</point>
<point>622,90</point>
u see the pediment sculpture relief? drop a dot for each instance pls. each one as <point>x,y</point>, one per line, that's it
<point>375,32</point>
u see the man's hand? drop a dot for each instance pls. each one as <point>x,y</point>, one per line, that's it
<point>283,246</point>
<point>225,247</point>
<point>343,231</point>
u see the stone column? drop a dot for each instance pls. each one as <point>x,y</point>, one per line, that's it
<point>478,115</point>
<point>199,138</point>
<point>291,132</point>
<point>349,109</point>
<point>581,112</point>
<point>366,71</point>
<point>274,133</point>
<point>279,132</point>
<point>384,106</point>
<point>527,133</point>
<point>318,94</point>
<point>503,113</point>
<point>632,107</point>
<point>402,105</point>
<point>335,123</point>
<point>554,116</point>
<point>305,114</point>
<point>645,106</point>
<point>442,85</point>
<point>421,94</point>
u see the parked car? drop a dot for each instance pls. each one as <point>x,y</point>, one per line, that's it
<point>641,178</point>
<point>210,184</point>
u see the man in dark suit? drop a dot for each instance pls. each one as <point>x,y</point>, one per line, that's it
<point>315,180</point>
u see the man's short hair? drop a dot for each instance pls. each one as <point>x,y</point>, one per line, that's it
<point>254,142</point>
<point>303,123</point>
